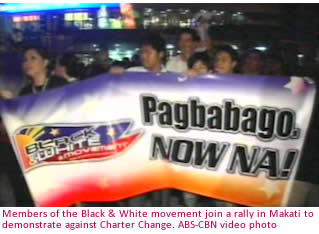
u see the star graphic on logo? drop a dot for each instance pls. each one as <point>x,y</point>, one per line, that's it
<point>270,188</point>
<point>111,132</point>
<point>55,132</point>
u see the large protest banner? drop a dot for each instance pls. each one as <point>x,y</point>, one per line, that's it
<point>234,138</point>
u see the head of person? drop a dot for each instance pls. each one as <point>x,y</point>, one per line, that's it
<point>199,63</point>
<point>136,60</point>
<point>67,66</point>
<point>188,42</point>
<point>274,66</point>
<point>101,57</point>
<point>126,62</point>
<point>226,60</point>
<point>118,67</point>
<point>35,64</point>
<point>252,63</point>
<point>153,53</point>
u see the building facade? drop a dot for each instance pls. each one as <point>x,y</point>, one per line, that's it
<point>119,28</point>
<point>94,26</point>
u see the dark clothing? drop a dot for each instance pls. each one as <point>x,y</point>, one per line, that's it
<point>14,190</point>
<point>54,82</point>
<point>96,69</point>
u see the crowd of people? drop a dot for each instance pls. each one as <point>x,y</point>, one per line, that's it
<point>196,58</point>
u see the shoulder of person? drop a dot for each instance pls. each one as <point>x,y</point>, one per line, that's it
<point>26,90</point>
<point>136,69</point>
<point>174,58</point>
<point>56,81</point>
<point>174,61</point>
<point>72,79</point>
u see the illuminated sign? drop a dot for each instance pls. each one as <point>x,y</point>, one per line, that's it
<point>30,7</point>
<point>26,18</point>
<point>78,16</point>
<point>102,20</point>
<point>116,23</point>
<point>128,14</point>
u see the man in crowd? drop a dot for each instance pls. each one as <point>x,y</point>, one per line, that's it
<point>101,64</point>
<point>226,60</point>
<point>188,42</point>
<point>252,63</point>
<point>153,55</point>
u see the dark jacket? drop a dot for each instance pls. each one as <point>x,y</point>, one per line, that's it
<point>54,82</point>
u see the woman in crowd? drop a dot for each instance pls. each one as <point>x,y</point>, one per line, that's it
<point>36,68</point>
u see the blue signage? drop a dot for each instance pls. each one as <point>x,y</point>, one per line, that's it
<point>31,7</point>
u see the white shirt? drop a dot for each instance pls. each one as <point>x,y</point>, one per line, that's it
<point>142,69</point>
<point>177,64</point>
<point>71,79</point>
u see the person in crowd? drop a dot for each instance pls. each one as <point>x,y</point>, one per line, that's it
<point>274,66</point>
<point>252,63</point>
<point>6,94</point>
<point>153,55</point>
<point>36,67</point>
<point>187,43</point>
<point>100,65</point>
<point>117,68</point>
<point>226,60</point>
<point>153,58</point>
<point>136,61</point>
<point>206,34</point>
<point>198,64</point>
<point>126,62</point>
<point>68,67</point>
